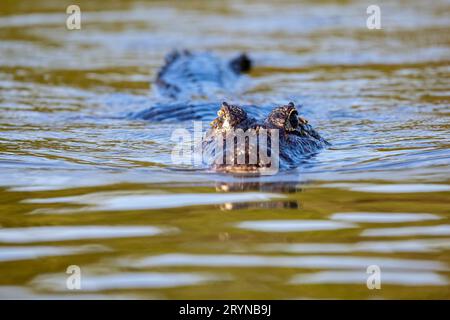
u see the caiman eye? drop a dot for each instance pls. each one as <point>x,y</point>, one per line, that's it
<point>293,119</point>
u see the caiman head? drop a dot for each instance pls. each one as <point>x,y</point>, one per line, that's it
<point>285,118</point>
<point>230,117</point>
<point>297,138</point>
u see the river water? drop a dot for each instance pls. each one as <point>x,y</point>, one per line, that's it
<point>83,185</point>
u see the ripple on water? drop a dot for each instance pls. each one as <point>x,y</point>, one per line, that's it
<point>307,262</point>
<point>25,253</point>
<point>127,280</point>
<point>44,234</point>
<point>388,277</point>
<point>390,188</point>
<point>383,217</point>
<point>293,225</point>
<point>440,230</point>
<point>424,245</point>
<point>25,293</point>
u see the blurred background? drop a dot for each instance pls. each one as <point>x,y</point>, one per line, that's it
<point>80,184</point>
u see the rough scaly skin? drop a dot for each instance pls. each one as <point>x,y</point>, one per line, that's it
<point>297,139</point>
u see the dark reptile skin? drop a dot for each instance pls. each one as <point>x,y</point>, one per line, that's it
<point>187,79</point>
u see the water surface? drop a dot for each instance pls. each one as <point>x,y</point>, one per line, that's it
<point>81,184</point>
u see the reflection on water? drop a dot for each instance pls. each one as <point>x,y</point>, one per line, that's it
<point>82,184</point>
<point>278,188</point>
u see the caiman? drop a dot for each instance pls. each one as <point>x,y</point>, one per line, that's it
<point>190,86</point>
<point>235,137</point>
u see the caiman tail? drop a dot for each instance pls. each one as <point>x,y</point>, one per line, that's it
<point>192,85</point>
<point>187,76</point>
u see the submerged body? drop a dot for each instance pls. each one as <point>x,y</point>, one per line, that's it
<point>242,138</point>
<point>187,76</point>
<point>191,86</point>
